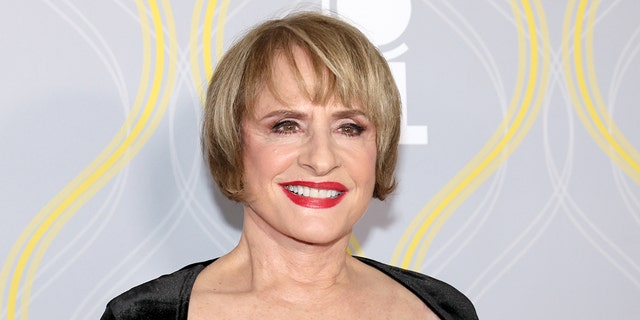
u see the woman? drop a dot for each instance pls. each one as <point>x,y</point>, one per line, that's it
<point>301,126</point>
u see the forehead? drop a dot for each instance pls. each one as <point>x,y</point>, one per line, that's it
<point>292,61</point>
<point>294,76</point>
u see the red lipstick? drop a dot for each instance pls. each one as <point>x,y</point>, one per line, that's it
<point>315,203</point>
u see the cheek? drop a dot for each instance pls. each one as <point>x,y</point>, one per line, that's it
<point>371,168</point>
<point>362,165</point>
<point>253,160</point>
<point>265,160</point>
<point>372,164</point>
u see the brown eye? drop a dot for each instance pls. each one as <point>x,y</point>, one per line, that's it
<point>285,127</point>
<point>351,130</point>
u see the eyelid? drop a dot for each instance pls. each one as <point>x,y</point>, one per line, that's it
<point>357,121</point>
<point>277,127</point>
<point>359,118</point>
<point>357,128</point>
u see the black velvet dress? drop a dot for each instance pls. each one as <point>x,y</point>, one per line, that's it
<point>167,297</point>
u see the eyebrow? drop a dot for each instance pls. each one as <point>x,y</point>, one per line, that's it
<point>349,113</point>
<point>287,113</point>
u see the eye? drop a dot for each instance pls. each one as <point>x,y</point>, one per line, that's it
<point>351,129</point>
<point>285,127</point>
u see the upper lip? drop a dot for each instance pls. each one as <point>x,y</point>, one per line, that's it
<point>327,185</point>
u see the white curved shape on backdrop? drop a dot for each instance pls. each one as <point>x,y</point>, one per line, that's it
<point>383,21</point>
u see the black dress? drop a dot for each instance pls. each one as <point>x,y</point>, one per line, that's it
<point>167,297</point>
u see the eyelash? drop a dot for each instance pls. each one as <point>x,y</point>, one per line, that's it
<point>286,127</point>
<point>358,130</point>
<point>279,127</point>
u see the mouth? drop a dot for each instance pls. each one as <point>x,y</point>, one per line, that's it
<point>304,191</point>
<point>317,195</point>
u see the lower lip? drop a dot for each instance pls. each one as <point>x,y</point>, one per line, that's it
<point>313,203</point>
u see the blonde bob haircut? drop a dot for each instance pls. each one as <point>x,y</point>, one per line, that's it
<point>348,68</point>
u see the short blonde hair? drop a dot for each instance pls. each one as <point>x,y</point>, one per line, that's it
<point>347,67</point>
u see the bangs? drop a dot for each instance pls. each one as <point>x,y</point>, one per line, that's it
<point>334,75</point>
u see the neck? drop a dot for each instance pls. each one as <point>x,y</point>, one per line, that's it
<point>278,263</point>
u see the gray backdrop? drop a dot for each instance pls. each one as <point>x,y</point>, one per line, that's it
<point>519,171</point>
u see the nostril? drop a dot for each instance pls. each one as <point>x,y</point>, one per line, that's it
<point>319,156</point>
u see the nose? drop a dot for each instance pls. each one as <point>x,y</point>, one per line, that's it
<point>319,154</point>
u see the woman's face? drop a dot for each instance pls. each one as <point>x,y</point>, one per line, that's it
<point>309,170</point>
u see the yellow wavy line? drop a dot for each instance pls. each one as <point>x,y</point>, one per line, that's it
<point>473,174</point>
<point>207,55</point>
<point>496,136</point>
<point>623,152</point>
<point>606,145</point>
<point>591,73</point>
<point>493,140</point>
<point>596,89</point>
<point>222,20</point>
<point>77,194</point>
<point>510,147</point>
<point>355,247</point>
<point>76,182</point>
<point>206,35</point>
<point>193,49</point>
<point>468,169</point>
<point>497,151</point>
<point>137,145</point>
<point>206,38</point>
<point>566,63</point>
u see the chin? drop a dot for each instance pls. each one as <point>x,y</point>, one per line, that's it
<point>320,236</point>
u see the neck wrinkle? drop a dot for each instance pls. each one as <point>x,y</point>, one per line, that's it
<point>294,269</point>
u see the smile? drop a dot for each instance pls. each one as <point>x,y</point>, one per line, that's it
<point>316,195</point>
<point>313,192</point>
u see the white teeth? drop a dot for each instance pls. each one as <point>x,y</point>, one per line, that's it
<point>305,191</point>
<point>312,192</point>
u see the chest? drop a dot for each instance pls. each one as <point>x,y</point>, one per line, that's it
<point>221,306</point>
